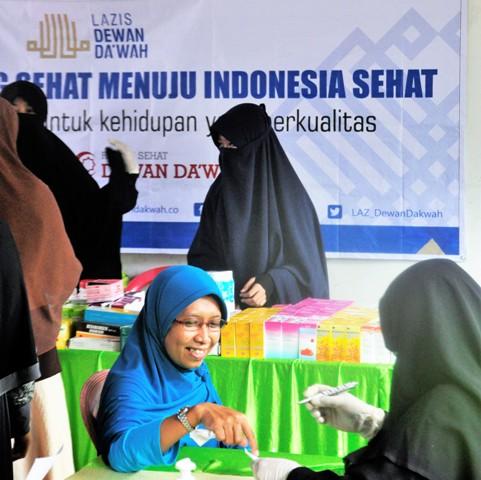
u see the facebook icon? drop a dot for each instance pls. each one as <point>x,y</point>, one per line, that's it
<point>198,209</point>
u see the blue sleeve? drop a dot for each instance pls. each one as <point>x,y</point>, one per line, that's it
<point>139,447</point>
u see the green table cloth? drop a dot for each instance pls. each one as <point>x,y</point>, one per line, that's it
<point>266,390</point>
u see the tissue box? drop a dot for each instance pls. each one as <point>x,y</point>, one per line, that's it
<point>225,282</point>
<point>101,290</point>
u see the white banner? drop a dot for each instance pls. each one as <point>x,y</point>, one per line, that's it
<point>365,96</point>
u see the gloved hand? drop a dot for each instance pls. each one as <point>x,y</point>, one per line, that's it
<point>273,468</point>
<point>344,412</point>
<point>131,165</point>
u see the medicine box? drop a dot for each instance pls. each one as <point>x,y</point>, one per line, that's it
<point>101,290</point>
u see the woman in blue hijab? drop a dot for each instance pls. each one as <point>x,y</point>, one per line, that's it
<point>159,390</point>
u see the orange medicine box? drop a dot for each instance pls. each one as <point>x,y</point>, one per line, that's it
<point>227,338</point>
<point>324,342</point>
<point>242,337</point>
<point>258,330</point>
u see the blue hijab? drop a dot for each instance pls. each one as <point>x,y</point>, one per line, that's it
<point>145,386</point>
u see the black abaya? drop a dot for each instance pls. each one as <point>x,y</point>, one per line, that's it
<point>92,215</point>
<point>257,219</point>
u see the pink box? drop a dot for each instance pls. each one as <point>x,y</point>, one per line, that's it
<point>102,290</point>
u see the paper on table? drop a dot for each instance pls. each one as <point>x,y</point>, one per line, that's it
<point>201,435</point>
<point>42,465</point>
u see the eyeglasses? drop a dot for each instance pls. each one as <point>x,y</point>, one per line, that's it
<point>194,325</point>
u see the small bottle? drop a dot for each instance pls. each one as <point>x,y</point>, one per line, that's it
<point>185,466</point>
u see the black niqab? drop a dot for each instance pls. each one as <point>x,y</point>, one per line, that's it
<point>92,215</point>
<point>257,218</point>
<point>31,93</point>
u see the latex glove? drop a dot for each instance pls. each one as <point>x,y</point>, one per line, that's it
<point>273,468</point>
<point>345,412</point>
<point>131,165</point>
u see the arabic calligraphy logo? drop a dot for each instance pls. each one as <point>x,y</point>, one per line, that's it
<point>58,38</point>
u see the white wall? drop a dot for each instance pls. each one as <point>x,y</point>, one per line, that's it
<point>365,280</point>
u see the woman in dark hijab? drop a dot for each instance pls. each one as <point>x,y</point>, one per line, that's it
<point>51,272</point>
<point>18,360</point>
<point>257,219</point>
<point>92,215</point>
<point>431,319</point>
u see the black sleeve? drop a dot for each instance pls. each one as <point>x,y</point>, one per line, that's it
<point>19,419</point>
<point>377,469</point>
<point>303,473</point>
<point>120,193</point>
<point>266,282</point>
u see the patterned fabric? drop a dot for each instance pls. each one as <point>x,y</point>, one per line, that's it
<point>22,395</point>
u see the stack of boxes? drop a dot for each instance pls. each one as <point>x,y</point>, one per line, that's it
<point>244,334</point>
<point>313,329</point>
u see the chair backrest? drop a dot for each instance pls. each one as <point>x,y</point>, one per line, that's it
<point>144,279</point>
<point>89,402</point>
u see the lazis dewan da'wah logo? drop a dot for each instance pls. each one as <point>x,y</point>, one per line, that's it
<point>57,38</point>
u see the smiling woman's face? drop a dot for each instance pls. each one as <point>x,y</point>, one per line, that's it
<point>188,348</point>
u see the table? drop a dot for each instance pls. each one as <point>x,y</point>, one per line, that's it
<point>96,470</point>
<point>212,463</point>
<point>266,390</point>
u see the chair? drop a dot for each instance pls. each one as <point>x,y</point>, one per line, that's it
<point>89,402</point>
<point>144,279</point>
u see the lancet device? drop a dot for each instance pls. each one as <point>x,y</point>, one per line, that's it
<point>329,392</point>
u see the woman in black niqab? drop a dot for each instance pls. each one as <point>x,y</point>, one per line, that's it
<point>257,219</point>
<point>92,215</point>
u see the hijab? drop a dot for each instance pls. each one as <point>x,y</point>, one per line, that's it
<point>257,217</point>
<point>431,319</point>
<point>49,266</point>
<point>18,360</point>
<point>145,386</point>
<point>31,93</point>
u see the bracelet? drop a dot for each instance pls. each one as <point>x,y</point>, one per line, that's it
<point>182,417</point>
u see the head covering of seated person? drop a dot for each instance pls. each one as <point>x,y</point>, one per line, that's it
<point>257,219</point>
<point>49,266</point>
<point>145,386</point>
<point>431,319</point>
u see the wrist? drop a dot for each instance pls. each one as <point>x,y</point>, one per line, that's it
<point>373,423</point>
<point>195,414</point>
<point>184,419</point>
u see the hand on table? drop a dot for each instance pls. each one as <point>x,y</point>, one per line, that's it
<point>229,426</point>
<point>344,412</point>
<point>253,294</point>
<point>273,468</point>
